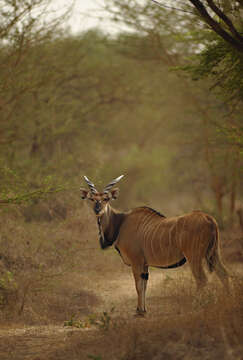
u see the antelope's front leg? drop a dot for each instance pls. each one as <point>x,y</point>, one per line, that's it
<point>141,277</point>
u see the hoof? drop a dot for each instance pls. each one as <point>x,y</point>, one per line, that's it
<point>140,313</point>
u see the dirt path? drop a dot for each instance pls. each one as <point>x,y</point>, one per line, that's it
<point>32,343</point>
<point>42,342</point>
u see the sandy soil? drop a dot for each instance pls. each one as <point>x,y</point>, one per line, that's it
<point>118,292</point>
<point>37,342</point>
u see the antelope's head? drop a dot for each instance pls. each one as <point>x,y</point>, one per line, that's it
<point>100,200</point>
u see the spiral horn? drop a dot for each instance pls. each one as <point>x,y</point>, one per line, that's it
<point>91,185</point>
<point>112,183</point>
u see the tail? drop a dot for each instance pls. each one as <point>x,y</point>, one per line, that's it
<point>212,254</point>
<point>213,257</point>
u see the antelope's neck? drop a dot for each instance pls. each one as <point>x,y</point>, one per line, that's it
<point>111,222</point>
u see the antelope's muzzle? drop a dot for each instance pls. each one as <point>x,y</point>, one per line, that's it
<point>97,207</point>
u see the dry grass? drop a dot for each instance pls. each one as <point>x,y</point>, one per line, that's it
<point>209,326</point>
<point>55,272</point>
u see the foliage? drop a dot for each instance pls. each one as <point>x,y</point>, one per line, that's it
<point>168,38</point>
<point>21,30</point>
<point>8,287</point>
<point>15,190</point>
<point>222,65</point>
<point>94,357</point>
<point>223,18</point>
<point>101,321</point>
<point>101,106</point>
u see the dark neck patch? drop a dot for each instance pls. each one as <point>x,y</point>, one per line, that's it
<point>114,227</point>
<point>110,234</point>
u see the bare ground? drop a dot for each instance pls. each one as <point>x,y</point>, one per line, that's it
<point>177,325</point>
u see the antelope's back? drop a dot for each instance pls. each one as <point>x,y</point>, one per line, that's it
<point>163,241</point>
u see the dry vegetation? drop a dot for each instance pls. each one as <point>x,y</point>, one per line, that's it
<point>103,105</point>
<point>58,276</point>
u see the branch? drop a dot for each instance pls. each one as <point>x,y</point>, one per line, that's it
<point>29,196</point>
<point>171,7</point>
<point>225,18</point>
<point>4,31</point>
<point>238,45</point>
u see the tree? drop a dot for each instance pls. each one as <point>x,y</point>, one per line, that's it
<point>224,27</point>
<point>23,25</point>
<point>170,38</point>
<point>219,46</point>
<point>218,18</point>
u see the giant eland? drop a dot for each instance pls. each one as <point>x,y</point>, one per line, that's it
<point>144,237</point>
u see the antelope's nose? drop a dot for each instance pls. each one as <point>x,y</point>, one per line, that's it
<point>97,207</point>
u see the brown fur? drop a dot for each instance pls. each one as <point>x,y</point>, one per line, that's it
<point>144,238</point>
<point>147,238</point>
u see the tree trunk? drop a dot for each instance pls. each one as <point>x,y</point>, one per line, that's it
<point>233,189</point>
<point>240,215</point>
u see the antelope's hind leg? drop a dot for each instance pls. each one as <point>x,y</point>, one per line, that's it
<point>140,273</point>
<point>221,272</point>
<point>198,272</point>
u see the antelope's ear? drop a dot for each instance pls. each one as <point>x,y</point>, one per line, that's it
<point>115,193</point>
<point>84,193</point>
